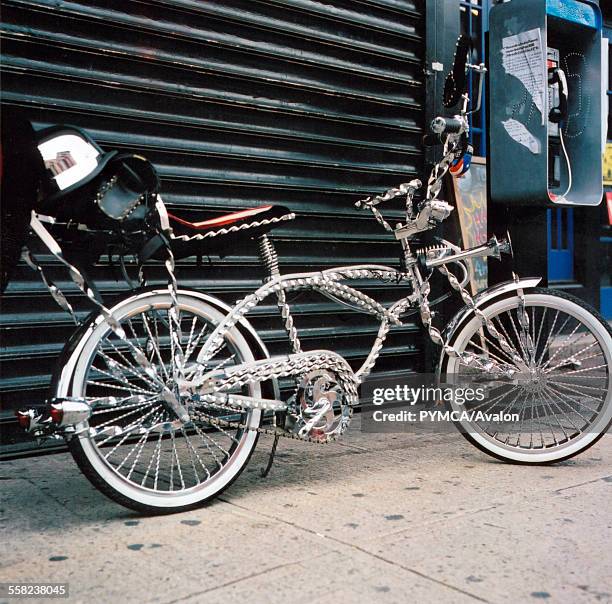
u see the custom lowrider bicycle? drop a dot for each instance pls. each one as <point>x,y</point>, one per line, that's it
<point>162,397</point>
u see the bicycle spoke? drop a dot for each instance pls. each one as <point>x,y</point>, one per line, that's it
<point>126,385</point>
<point>205,440</point>
<point>133,370</point>
<point>138,443</point>
<point>178,462</point>
<point>193,456</point>
<point>522,420</point>
<point>542,322</point>
<point>561,397</point>
<point>552,335</point>
<point>565,390</point>
<point>157,446</point>
<point>136,409</point>
<point>488,352</point>
<point>191,342</point>
<point>127,432</point>
<point>154,339</point>
<point>520,350</point>
<point>219,428</point>
<point>566,343</point>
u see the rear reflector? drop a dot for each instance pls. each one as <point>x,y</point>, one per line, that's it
<point>57,414</point>
<point>23,417</point>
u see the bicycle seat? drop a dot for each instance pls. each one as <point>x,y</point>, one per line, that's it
<point>217,234</point>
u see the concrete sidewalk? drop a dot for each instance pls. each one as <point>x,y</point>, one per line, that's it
<point>385,518</point>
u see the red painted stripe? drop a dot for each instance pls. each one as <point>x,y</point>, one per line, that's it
<point>456,168</point>
<point>221,220</point>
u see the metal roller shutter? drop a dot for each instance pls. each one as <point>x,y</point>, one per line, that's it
<point>238,103</point>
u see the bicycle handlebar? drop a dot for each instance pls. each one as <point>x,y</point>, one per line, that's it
<point>455,83</point>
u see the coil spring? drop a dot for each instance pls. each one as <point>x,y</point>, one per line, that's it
<point>432,251</point>
<point>268,255</point>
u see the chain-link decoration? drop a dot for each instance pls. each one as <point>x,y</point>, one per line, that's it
<point>380,219</point>
<point>467,358</point>
<point>56,292</point>
<point>434,184</point>
<point>269,257</point>
<point>178,358</point>
<point>408,189</point>
<point>324,281</point>
<point>54,247</point>
<point>383,331</point>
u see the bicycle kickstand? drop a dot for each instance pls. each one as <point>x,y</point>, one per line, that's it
<point>263,472</point>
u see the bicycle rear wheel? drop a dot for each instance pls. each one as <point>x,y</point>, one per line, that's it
<point>560,403</point>
<point>139,453</point>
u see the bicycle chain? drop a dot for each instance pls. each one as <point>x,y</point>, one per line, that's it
<point>273,431</point>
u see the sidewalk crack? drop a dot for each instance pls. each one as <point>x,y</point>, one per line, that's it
<point>581,484</point>
<point>245,578</point>
<point>363,551</point>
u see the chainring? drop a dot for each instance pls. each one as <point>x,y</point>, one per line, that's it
<point>319,411</point>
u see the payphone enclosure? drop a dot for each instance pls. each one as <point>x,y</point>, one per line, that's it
<point>538,50</point>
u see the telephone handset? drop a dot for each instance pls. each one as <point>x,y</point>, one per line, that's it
<point>557,116</point>
<point>556,76</point>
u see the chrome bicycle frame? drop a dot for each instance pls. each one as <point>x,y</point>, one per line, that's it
<point>214,386</point>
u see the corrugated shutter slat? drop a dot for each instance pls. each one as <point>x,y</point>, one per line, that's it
<point>238,103</point>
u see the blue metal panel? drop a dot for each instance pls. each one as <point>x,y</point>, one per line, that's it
<point>560,244</point>
<point>574,11</point>
<point>606,302</point>
<point>475,23</point>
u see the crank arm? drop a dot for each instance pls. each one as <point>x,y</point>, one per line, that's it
<point>326,407</point>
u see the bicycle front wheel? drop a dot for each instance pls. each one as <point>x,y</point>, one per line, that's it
<point>560,401</point>
<point>139,453</point>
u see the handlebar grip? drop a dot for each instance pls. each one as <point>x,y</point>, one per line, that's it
<point>446,125</point>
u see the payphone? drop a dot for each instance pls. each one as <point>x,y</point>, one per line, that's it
<point>545,103</point>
